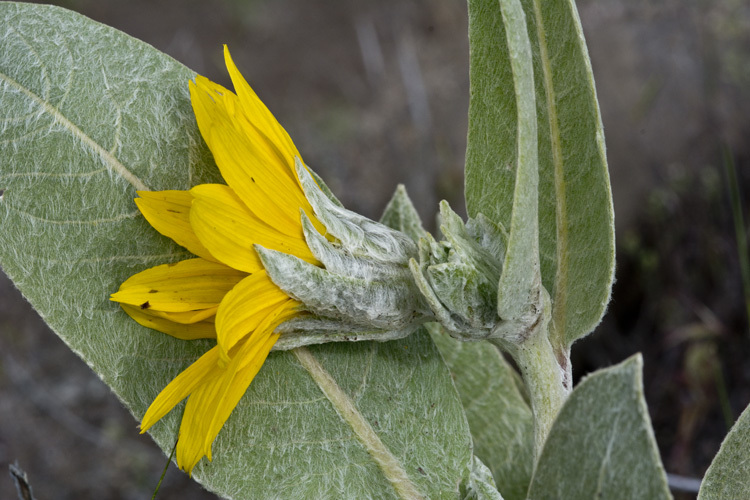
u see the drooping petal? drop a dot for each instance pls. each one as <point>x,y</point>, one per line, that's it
<point>187,317</point>
<point>189,285</point>
<point>245,307</point>
<point>205,329</point>
<point>246,162</point>
<point>169,213</point>
<point>209,407</point>
<point>264,119</point>
<point>195,375</point>
<point>229,230</point>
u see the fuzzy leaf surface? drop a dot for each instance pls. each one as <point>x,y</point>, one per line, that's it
<point>89,115</point>
<point>501,421</point>
<point>602,444</point>
<point>729,473</point>
<point>576,221</point>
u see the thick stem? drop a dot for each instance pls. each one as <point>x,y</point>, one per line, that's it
<point>546,382</point>
<point>545,371</point>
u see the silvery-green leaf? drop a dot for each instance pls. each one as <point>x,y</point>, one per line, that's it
<point>729,473</point>
<point>465,292</point>
<point>480,485</point>
<point>499,417</point>
<point>87,116</point>
<point>401,215</point>
<point>576,231</point>
<point>425,288</point>
<point>490,235</point>
<point>469,246</point>
<point>518,291</point>
<point>602,444</point>
<point>576,218</point>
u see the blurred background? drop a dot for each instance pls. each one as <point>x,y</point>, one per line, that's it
<point>375,93</point>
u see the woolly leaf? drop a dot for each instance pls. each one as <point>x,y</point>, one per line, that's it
<point>729,473</point>
<point>500,419</point>
<point>87,116</point>
<point>576,231</point>
<point>480,485</point>
<point>602,445</point>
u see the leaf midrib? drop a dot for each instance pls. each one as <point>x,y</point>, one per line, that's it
<point>345,407</point>
<point>112,163</point>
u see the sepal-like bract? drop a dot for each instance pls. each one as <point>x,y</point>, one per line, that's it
<point>364,289</point>
<point>388,304</point>
<point>459,276</point>
<point>401,215</point>
<point>459,279</point>
<point>359,235</point>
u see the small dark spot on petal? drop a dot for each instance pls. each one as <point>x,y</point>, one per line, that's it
<point>153,291</point>
<point>145,305</point>
<point>173,211</point>
<point>252,179</point>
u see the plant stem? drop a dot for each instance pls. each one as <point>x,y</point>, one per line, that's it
<point>546,377</point>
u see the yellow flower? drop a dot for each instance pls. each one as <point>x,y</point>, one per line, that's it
<point>224,293</point>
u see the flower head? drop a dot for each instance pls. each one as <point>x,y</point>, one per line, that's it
<point>225,292</point>
<point>273,247</point>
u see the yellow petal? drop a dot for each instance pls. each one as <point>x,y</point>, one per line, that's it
<point>187,317</point>
<point>257,176</point>
<point>245,307</point>
<point>168,212</point>
<point>210,405</point>
<point>229,230</point>
<point>262,117</point>
<point>202,370</point>
<point>199,330</point>
<point>188,285</point>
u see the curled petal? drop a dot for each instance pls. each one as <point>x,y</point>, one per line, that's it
<point>200,329</point>
<point>245,307</point>
<point>188,285</point>
<point>169,213</point>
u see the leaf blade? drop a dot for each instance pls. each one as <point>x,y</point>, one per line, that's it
<point>576,214</point>
<point>576,220</point>
<point>71,235</point>
<point>518,290</point>
<point>500,419</point>
<point>728,476</point>
<point>602,444</point>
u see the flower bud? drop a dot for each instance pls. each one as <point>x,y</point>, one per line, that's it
<point>459,278</point>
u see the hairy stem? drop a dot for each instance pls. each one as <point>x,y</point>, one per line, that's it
<point>546,375</point>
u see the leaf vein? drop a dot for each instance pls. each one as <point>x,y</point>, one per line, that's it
<point>117,218</point>
<point>109,160</point>
<point>344,406</point>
